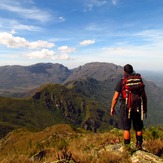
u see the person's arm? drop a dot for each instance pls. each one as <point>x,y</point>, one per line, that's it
<point>144,98</point>
<point>114,101</point>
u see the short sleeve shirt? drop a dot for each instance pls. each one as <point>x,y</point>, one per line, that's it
<point>118,87</point>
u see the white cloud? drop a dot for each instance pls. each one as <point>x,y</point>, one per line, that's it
<point>13,32</point>
<point>66,49</point>
<point>64,57</point>
<point>114,2</point>
<point>25,27</point>
<point>42,54</point>
<point>151,35</point>
<point>62,54</point>
<point>29,13</point>
<point>8,24</point>
<point>18,42</point>
<point>46,54</point>
<point>98,2</point>
<point>87,42</point>
<point>94,3</point>
<point>40,44</point>
<point>61,19</point>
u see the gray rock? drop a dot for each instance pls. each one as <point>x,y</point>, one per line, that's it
<point>145,157</point>
<point>136,156</point>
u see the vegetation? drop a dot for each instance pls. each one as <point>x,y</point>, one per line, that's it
<point>64,143</point>
<point>52,104</point>
<point>94,81</point>
<point>27,124</point>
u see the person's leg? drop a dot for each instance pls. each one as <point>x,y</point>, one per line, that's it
<point>138,126</point>
<point>125,124</point>
<point>139,139</point>
<point>126,136</point>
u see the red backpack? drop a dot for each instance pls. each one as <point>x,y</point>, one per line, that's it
<point>132,88</point>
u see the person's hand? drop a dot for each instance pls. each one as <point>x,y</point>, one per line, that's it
<point>112,111</point>
<point>144,110</point>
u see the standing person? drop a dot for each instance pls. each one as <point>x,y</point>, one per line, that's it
<point>132,110</point>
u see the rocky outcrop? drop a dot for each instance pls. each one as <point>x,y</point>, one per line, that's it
<point>143,156</point>
<point>135,155</point>
<point>132,154</point>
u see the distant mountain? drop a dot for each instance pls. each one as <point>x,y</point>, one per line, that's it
<point>156,77</point>
<point>97,70</point>
<point>18,81</point>
<point>90,86</point>
<point>32,76</point>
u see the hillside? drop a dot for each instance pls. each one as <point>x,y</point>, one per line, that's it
<point>52,104</point>
<point>102,91</point>
<point>82,103</point>
<point>63,143</point>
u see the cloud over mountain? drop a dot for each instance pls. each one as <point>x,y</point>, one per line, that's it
<point>12,41</point>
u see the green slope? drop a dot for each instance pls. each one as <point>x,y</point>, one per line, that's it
<point>102,92</point>
<point>52,104</point>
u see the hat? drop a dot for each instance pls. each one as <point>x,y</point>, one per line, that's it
<point>128,69</point>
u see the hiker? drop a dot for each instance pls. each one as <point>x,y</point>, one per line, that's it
<point>130,111</point>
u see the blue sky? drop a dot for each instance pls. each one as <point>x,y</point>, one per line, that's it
<point>75,32</point>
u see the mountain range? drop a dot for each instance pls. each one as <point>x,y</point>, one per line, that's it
<point>45,94</point>
<point>27,77</point>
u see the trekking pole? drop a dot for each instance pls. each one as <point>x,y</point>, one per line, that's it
<point>129,109</point>
<point>129,113</point>
<point>142,112</point>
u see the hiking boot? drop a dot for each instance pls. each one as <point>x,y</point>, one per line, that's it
<point>139,145</point>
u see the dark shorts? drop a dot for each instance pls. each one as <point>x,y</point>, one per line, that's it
<point>135,119</point>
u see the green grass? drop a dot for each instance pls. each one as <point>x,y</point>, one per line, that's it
<point>51,104</point>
